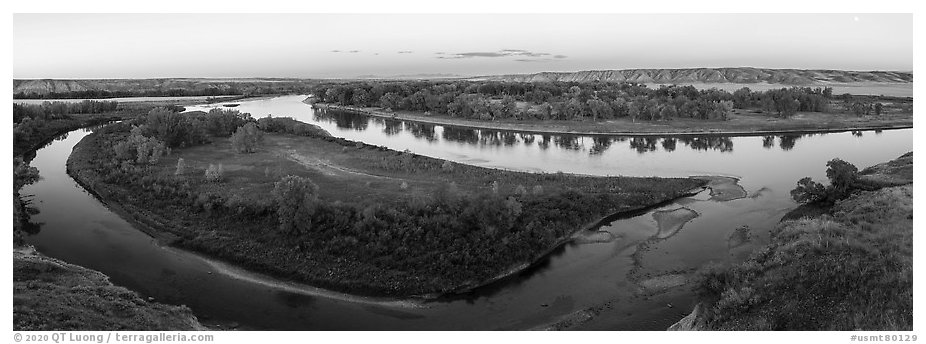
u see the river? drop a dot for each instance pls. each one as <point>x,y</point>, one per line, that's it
<point>602,279</point>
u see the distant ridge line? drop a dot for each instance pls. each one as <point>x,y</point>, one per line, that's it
<point>740,75</point>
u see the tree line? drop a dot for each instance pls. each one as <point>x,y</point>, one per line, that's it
<point>494,100</point>
<point>101,94</point>
<point>113,89</point>
<point>34,123</point>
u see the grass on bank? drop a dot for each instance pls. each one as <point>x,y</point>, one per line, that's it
<point>849,267</point>
<point>51,295</point>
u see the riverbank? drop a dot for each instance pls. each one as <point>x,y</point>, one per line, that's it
<point>49,294</point>
<point>52,295</point>
<point>569,238</point>
<point>388,223</point>
<point>740,123</point>
<point>848,266</point>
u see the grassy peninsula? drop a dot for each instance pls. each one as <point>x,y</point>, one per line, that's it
<point>285,198</point>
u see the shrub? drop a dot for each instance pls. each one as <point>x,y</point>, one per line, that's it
<point>247,138</point>
<point>520,190</point>
<point>288,125</point>
<point>215,173</point>
<point>140,149</point>
<point>808,191</point>
<point>537,190</point>
<point>171,127</point>
<point>843,178</point>
<point>222,122</point>
<point>181,167</point>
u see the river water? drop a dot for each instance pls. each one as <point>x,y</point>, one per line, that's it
<point>605,279</point>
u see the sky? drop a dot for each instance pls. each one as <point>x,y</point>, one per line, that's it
<point>77,46</point>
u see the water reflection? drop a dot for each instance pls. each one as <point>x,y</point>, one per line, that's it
<point>786,142</point>
<point>768,142</point>
<point>644,144</point>
<point>600,144</point>
<point>668,144</point>
<point>570,142</point>
<point>344,119</point>
<point>528,139</point>
<point>391,126</point>
<point>718,143</point>
<point>28,227</point>
<point>594,145</point>
<point>421,131</point>
<point>544,142</point>
<point>461,135</point>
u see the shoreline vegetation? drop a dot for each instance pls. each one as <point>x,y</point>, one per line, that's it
<point>615,108</point>
<point>367,220</point>
<point>803,123</point>
<point>843,261</point>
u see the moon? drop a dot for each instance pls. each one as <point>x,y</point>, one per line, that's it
<point>855,18</point>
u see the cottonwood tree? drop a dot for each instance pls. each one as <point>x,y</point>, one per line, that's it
<point>247,138</point>
<point>297,200</point>
<point>843,178</point>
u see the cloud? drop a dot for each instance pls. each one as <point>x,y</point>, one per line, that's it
<point>501,53</point>
<point>354,51</point>
<point>335,51</point>
<point>405,51</point>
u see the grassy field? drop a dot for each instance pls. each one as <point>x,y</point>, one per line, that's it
<point>360,173</point>
<point>740,122</point>
<point>849,267</point>
<point>388,222</point>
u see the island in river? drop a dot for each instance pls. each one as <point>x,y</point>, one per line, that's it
<point>738,122</point>
<point>617,108</point>
<point>344,215</point>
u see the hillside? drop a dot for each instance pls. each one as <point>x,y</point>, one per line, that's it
<point>742,75</point>
<point>849,268</point>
